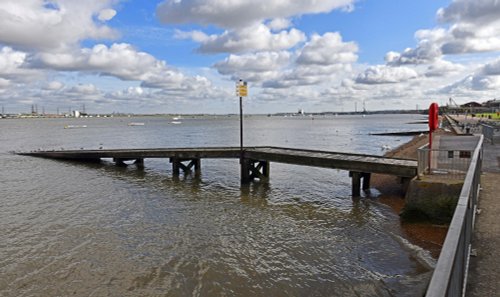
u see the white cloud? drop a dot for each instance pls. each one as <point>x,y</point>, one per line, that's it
<point>53,86</point>
<point>253,38</point>
<point>14,68</point>
<point>279,24</point>
<point>39,24</point>
<point>381,74</point>
<point>121,61</point>
<point>492,68</point>
<point>443,68</point>
<point>85,89</point>
<point>135,90</point>
<point>195,35</point>
<point>241,13</point>
<point>474,27</point>
<point>328,49</point>
<point>317,61</point>
<point>4,83</point>
<point>11,61</point>
<point>106,14</point>
<point>485,78</point>
<point>427,51</point>
<point>477,11</point>
<point>254,67</point>
<point>473,82</point>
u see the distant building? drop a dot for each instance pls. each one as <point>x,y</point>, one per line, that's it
<point>492,104</point>
<point>76,113</point>
<point>471,104</point>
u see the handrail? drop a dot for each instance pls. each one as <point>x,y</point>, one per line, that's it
<point>488,132</point>
<point>450,275</point>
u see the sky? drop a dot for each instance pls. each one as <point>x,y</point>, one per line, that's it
<point>184,56</point>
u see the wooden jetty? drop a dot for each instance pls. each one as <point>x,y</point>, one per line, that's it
<point>254,161</point>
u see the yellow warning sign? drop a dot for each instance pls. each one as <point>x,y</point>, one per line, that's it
<point>241,89</point>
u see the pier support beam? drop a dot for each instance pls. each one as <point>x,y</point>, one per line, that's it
<point>119,162</point>
<point>356,182</point>
<point>252,169</point>
<point>139,163</point>
<point>366,181</point>
<point>177,165</point>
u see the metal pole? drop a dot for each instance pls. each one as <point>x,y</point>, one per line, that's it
<point>430,150</point>
<point>241,126</point>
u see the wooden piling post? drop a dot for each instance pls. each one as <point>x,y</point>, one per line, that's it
<point>175,166</point>
<point>405,181</point>
<point>356,183</point>
<point>197,166</point>
<point>266,168</point>
<point>245,165</point>
<point>366,181</point>
<point>139,163</point>
<point>261,171</point>
<point>119,162</point>
<point>252,169</point>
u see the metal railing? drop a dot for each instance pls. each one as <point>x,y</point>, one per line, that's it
<point>450,275</point>
<point>450,164</point>
<point>488,132</point>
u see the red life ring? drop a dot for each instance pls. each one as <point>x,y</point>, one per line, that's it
<point>433,117</point>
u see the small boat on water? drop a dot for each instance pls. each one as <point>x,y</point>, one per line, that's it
<point>176,122</point>
<point>135,124</point>
<point>74,126</point>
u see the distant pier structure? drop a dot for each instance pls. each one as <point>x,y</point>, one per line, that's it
<point>254,161</point>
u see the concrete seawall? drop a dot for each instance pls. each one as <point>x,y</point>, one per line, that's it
<point>431,199</point>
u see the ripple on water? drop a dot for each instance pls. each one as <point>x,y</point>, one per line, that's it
<point>98,230</point>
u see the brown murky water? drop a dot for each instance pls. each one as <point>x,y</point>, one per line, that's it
<point>99,230</point>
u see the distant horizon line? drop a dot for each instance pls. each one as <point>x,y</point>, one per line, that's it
<point>319,113</point>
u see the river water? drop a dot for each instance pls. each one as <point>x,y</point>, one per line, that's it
<point>70,228</point>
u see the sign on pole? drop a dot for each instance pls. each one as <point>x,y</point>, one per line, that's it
<point>241,89</point>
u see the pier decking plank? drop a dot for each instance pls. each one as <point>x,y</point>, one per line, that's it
<point>346,161</point>
<point>315,158</point>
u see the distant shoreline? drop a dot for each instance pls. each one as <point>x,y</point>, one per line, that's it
<point>280,114</point>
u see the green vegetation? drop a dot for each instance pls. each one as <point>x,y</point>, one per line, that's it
<point>489,115</point>
<point>437,210</point>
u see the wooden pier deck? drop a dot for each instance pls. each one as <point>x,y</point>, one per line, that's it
<point>254,160</point>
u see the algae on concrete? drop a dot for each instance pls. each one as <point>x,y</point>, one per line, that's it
<point>431,199</point>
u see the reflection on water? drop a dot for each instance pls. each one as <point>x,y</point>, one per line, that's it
<point>97,229</point>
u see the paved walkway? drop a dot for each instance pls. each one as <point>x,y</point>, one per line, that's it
<point>484,271</point>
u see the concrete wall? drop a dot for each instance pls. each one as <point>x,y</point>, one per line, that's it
<point>431,199</point>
